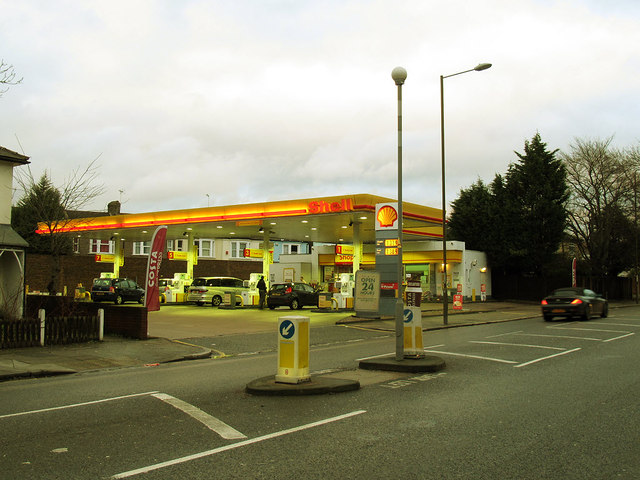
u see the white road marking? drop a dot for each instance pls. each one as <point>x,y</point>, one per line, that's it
<point>78,404</point>
<point>392,353</point>
<point>560,336</point>
<point>518,345</point>
<point>225,448</point>
<point>621,324</point>
<point>218,426</point>
<point>545,358</point>
<point>587,329</point>
<point>374,356</point>
<point>618,338</point>
<point>500,360</point>
<point>504,334</point>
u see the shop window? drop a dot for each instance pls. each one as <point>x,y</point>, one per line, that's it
<point>141,248</point>
<point>101,246</point>
<point>237,249</point>
<point>290,248</point>
<point>178,245</point>
<point>205,247</point>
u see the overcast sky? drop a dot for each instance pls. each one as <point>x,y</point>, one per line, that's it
<point>195,102</point>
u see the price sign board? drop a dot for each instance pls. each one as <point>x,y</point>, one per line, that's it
<point>367,290</point>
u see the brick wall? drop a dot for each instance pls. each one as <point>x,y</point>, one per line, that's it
<point>83,269</point>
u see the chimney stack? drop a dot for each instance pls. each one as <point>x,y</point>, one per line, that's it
<point>113,207</point>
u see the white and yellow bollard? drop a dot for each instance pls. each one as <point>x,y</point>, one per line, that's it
<point>293,349</point>
<point>413,346</point>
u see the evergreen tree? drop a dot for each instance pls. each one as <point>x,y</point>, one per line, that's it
<point>471,217</point>
<point>537,185</point>
<point>519,219</point>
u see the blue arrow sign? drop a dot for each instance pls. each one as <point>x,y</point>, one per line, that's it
<point>287,329</point>
<point>408,316</point>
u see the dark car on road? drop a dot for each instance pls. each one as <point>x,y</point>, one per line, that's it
<point>574,302</point>
<point>293,295</point>
<point>117,290</point>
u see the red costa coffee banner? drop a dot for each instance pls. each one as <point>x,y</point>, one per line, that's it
<point>152,290</point>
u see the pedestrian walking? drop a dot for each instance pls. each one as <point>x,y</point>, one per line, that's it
<point>262,289</point>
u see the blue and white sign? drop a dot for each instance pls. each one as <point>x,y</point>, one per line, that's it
<point>408,315</point>
<point>287,329</point>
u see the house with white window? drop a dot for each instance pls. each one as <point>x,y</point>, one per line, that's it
<point>12,245</point>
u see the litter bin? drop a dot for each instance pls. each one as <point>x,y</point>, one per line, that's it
<point>230,299</point>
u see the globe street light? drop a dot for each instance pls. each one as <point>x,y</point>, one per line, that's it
<point>445,296</point>
<point>399,75</point>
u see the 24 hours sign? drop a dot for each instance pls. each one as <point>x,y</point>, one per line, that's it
<point>367,290</point>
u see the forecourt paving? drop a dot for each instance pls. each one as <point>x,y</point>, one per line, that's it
<point>173,322</point>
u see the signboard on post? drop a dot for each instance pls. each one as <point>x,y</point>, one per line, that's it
<point>152,290</point>
<point>367,290</point>
<point>253,253</point>
<point>457,301</point>
<point>176,255</point>
<point>293,349</point>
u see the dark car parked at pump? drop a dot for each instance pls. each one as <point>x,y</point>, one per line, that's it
<point>574,302</point>
<point>292,295</point>
<point>117,290</point>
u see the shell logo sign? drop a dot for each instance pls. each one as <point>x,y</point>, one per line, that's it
<point>387,216</point>
<point>320,206</point>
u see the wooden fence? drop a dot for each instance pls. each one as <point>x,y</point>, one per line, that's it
<point>19,333</point>
<point>54,330</point>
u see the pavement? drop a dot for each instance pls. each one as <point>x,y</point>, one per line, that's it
<point>117,352</point>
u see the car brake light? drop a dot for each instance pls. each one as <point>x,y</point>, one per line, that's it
<point>544,302</point>
<point>288,290</point>
<point>111,289</point>
<point>576,301</point>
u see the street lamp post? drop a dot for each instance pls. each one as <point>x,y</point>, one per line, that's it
<point>399,75</point>
<point>445,295</point>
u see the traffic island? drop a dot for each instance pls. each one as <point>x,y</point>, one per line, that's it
<point>316,385</point>
<point>410,365</point>
<point>293,377</point>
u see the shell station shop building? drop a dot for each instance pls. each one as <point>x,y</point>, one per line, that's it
<point>316,240</point>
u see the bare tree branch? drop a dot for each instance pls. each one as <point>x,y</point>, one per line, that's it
<point>50,206</point>
<point>7,76</point>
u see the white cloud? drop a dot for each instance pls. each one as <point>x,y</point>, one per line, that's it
<point>255,101</point>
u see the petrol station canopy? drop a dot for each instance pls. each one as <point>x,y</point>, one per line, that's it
<point>324,219</point>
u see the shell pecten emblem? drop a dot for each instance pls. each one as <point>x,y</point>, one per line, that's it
<point>387,215</point>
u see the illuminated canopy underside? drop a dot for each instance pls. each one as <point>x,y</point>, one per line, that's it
<point>328,219</point>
